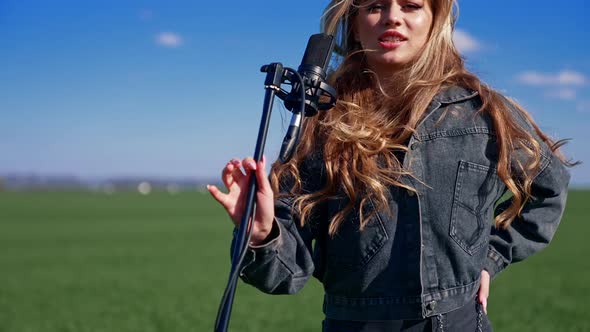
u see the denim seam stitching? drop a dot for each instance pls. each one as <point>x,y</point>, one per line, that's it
<point>470,249</point>
<point>455,133</point>
<point>373,248</point>
<point>458,98</point>
<point>456,290</point>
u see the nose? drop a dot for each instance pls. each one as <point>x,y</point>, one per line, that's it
<point>393,17</point>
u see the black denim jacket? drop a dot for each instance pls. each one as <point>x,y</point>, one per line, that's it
<point>449,222</point>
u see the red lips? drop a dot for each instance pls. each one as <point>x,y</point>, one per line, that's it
<point>391,39</point>
<point>392,33</point>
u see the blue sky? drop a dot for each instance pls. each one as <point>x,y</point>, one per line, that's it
<point>111,88</point>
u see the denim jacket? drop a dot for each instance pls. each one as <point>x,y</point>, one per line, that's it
<point>452,156</point>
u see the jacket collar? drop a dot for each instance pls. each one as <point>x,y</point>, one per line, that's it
<point>452,94</point>
<point>447,95</point>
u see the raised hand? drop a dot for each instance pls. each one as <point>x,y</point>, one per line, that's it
<point>234,201</point>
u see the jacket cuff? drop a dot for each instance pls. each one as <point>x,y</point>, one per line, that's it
<point>271,241</point>
<point>494,263</point>
<point>262,252</point>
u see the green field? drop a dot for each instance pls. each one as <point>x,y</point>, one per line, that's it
<point>125,262</point>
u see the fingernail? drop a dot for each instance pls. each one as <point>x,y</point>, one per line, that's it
<point>208,186</point>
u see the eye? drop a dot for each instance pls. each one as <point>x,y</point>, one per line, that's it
<point>412,6</point>
<point>375,7</point>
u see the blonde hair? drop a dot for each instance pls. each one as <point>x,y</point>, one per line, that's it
<point>358,138</point>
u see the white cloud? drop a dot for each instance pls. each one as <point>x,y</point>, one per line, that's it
<point>572,78</point>
<point>465,43</point>
<point>169,39</point>
<point>563,94</point>
<point>563,78</point>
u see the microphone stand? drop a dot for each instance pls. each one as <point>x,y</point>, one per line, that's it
<point>314,95</point>
<point>272,84</point>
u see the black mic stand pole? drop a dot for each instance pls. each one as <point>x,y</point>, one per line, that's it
<point>272,84</point>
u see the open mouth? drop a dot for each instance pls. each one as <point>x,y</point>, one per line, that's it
<point>391,39</point>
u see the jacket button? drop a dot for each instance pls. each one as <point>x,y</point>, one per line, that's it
<point>413,146</point>
<point>431,306</point>
<point>411,193</point>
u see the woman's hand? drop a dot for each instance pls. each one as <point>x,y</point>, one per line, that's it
<point>234,201</point>
<point>484,290</point>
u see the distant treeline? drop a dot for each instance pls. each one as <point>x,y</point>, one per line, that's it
<point>67,182</point>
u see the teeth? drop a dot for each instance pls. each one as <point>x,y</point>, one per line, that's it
<point>392,39</point>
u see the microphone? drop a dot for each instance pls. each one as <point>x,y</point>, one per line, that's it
<point>311,87</point>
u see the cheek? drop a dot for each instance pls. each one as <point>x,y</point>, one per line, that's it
<point>364,28</point>
<point>421,27</point>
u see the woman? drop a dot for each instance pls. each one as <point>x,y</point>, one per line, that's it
<point>391,198</point>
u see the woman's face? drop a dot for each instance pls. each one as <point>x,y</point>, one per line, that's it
<point>392,31</point>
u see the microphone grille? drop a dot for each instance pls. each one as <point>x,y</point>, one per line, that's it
<point>319,50</point>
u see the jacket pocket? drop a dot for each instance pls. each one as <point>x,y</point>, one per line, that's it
<point>476,189</point>
<point>350,248</point>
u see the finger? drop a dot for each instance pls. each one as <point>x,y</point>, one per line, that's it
<point>220,197</point>
<point>482,298</point>
<point>231,173</point>
<point>249,164</point>
<point>238,174</point>
<point>262,178</point>
<point>484,290</point>
<point>226,175</point>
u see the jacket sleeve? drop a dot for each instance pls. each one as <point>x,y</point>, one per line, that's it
<point>534,228</point>
<point>285,263</point>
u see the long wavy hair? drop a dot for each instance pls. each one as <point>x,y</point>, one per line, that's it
<point>359,139</point>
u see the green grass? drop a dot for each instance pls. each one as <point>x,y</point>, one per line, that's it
<point>125,262</point>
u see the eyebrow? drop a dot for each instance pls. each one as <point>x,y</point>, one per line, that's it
<point>363,3</point>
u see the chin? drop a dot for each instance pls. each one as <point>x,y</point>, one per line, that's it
<point>391,58</point>
<point>395,63</point>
